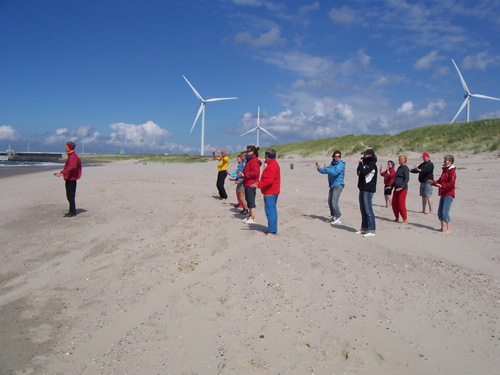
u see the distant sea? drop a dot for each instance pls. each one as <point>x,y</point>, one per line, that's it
<point>12,168</point>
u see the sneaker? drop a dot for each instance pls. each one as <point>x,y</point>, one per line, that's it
<point>336,221</point>
<point>369,234</point>
<point>331,220</point>
<point>244,212</point>
<point>249,221</point>
<point>361,232</point>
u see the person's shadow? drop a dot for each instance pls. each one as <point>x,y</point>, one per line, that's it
<point>323,219</point>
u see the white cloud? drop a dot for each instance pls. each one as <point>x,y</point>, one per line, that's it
<point>301,63</point>
<point>480,61</point>
<point>61,131</point>
<point>427,61</point>
<point>148,135</point>
<point>344,16</point>
<point>407,107</point>
<point>271,37</point>
<point>7,132</point>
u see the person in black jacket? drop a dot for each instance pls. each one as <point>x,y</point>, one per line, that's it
<point>367,185</point>
<point>425,173</point>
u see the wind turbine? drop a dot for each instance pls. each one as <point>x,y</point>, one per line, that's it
<point>467,96</point>
<point>258,127</point>
<point>202,109</point>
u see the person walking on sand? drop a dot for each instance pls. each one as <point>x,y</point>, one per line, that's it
<point>71,173</point>
<point>446,185</point>
<point>425,173</point>
<point>367,185</point>
<point>250,176</point>
<point>221,171</point>
<point>269,185</point>
<point>388,176</point>
<point>401,180</point>
<point>335,172</point>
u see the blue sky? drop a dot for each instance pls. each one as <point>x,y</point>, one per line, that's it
<point>108,74</point>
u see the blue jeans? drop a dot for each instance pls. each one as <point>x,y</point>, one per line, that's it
<point>366,208</point>
<point>271,212</point>
<point>444,208</point>
<point>333,200</point>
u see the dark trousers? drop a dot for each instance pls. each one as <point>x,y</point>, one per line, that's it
<point>70,194</point>
<point>221,178</point>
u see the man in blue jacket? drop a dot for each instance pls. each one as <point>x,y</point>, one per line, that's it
<point>335,172</point>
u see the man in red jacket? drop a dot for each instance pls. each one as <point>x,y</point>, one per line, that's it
<point>269,185</point>
<point>72,171</point>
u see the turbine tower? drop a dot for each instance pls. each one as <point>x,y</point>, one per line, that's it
<point>467,96</point>
<point>258,127</point>
<point>202,109</point>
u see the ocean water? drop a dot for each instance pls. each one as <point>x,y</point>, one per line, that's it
<point>12,168</point>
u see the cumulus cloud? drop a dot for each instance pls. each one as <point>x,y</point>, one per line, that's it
<point>148,135</point>
<point>271,37</point>
<point>81,134</point>
<point>7,133</point>
<point>427,61</point>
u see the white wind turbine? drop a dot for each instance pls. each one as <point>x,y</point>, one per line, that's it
<point>258,127</point>
<point>467,96</point>
<point>202,109</point>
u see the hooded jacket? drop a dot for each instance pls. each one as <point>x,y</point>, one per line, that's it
<point>447,181</point>
<point>335,172</point>
<point>252,171</point>
<point>367,174</point>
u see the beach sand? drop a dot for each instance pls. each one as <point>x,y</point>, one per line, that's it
<point>155,275</point>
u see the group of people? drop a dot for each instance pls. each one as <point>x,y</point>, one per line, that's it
<point>248,178</point>
<point>395,183</point>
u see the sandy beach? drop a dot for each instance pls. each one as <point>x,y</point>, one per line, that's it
<point>155,275</point>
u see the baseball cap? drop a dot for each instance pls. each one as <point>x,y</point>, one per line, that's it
<point>425,155</point>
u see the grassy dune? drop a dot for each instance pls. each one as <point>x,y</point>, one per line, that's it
<point>476,136</point>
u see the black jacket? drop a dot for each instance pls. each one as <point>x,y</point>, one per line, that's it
<point>367,174</point>
<point>426,171</point>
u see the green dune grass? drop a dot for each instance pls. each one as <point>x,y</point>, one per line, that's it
<point>476,137</point>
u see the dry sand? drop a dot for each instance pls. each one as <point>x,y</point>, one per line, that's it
<point>157,276</point>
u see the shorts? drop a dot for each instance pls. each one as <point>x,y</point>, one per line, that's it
<point>425,189</point>
<point>388,191</point>
<point>240,188</point>
<point>250,193</point>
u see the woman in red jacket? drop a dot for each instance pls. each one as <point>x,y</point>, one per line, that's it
<point>270,185</point>
<point>446,184</point>
<point>250,176</point>
<point>388,176</point>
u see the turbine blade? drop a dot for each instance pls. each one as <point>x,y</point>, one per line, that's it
<point>251,130</point>
<point>484,96</point>
<point>265,131</point>
<point>194,90</point>
<point>217,99</point>
<point>197,116</point>
<point>461,108</point>
<point>461,78</point>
